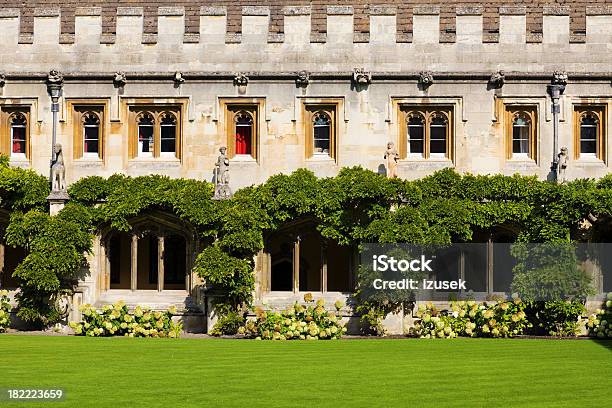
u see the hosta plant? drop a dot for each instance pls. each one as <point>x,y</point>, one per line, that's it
<point>118,320</point>
<point>599,324</point>
<point>309,321</point>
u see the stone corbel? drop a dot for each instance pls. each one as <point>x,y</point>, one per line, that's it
<point>426,80</point>
<point>497,80</point>
<point>361,78</point>
<point>241,81</point>
<point>303,79</point>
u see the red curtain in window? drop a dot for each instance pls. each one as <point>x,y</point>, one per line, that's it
<point>243,139</point>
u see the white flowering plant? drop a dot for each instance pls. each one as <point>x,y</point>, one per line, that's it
<point>5,311</point>
<point>118,320</point>
<point>310,321</point>
<point>471,319</point>
<point>599,324</point>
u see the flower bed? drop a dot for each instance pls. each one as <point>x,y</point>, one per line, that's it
<point>300,322</point>
<point>5,310</point>
<point>599,324</point>
<point>117,320</point>
<point>470,319</point>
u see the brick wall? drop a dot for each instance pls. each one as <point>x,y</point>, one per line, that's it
<point>361,8</point>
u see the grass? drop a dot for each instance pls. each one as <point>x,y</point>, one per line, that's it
<point>121,372</point>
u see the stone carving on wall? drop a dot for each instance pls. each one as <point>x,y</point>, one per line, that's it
<point>58,171</point>
<point>391,158</point>
<point>222,188</point>
<point>426,79</point>
<point>562,165</point>
<point>497,80</point>
<point>240,79</point>
<point>559,78</point>
<point>120,79</point>
<point>362,77</point>
<point>178,78</point>
<point>55,77</point>
<point>303,79</point>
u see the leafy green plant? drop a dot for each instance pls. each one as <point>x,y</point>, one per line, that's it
<point>556,318</point>
<point>5,311</point>
<point>229,322</point>
<point>599,324</point>
<point>471,319</point>
<point>354,207</point>
<point>311,321</point>
<point>118,320</point>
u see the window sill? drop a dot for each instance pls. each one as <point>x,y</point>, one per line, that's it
<point>589,161</point>
<point>86,159</point>
<point>161,159</point>
<point>522,162</point>
<point>436,160</point>
<point>19,161</point>
<point>321,158</point>
<point>243,158</point>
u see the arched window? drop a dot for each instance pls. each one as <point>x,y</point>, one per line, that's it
<point>145,134</point>
<point>243,122</point>
<point>589,134</point>
<point>438,132</point>
<point>590,131</point>
<point>321,129</point>
<point>168,134</point>
<point>521,132</point>
<point>91,134</point>
<point>425,132</point>
<point>19,125</point>
<point>416,134</point>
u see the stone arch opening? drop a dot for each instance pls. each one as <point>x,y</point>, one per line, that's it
<point>599,258</point>
<point>156,254</point>
<point>485,263</point>
<point>299,259</point>
<point>10,257</point>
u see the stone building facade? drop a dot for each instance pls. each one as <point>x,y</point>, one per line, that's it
<point>157,89</point>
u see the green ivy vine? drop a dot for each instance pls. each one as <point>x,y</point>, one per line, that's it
<point>354,207</point>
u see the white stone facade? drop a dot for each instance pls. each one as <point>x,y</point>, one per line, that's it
<point>367,117</point>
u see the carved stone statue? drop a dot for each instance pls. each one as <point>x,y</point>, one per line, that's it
<point>559,78</point>
<point>391,158</point>
<point>362,77</point>
<point>426,79</point>
<point>178,78</point>
<point>497,79</point>
<point>240,79</point>
<point>55,77</point>
<point>58,172</point>
<point>222,188</point>
<point>120,79</point>
<point>302,80</point>
<point>562,165</point>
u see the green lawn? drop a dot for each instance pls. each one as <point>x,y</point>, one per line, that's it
<point>121,372</point>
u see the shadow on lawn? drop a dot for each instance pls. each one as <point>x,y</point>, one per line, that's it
<point>605,343</point>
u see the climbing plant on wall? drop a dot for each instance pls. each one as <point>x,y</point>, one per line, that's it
<point>354,207</point>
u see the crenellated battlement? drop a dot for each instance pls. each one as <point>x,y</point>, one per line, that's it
<point>301,42</point>
<point>257,25</point>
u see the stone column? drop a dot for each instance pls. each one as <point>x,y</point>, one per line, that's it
<point>324,266</point>
<point>134,263</point>
<point>160,263</point>
<point>296,264</point>
<point>1,263</point>
<point>188,268</point>
<point>105,255</point>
